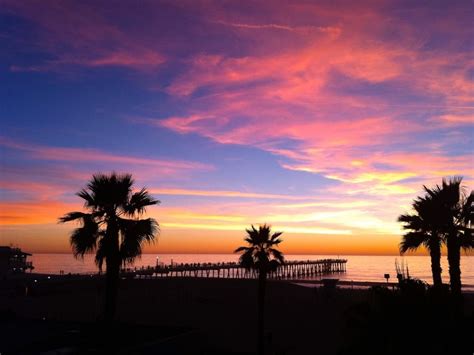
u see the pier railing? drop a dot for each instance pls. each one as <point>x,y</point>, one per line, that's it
<point>291,269</point>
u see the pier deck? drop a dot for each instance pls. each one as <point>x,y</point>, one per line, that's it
<point>290,270</point>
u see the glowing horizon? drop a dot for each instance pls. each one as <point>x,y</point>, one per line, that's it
<point>322,119</point>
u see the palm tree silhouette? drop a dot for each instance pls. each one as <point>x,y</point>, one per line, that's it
<point>456,215</point>
<point>105,230</point>
<point>423,230</point>
<point>261,255</point>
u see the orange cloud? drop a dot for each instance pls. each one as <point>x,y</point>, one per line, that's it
<point>34,212</point>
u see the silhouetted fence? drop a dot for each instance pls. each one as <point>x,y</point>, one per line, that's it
<point>233,270</point>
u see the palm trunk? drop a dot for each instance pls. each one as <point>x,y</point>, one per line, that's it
<point>435,253</point>
<point>454,260</point>
<point>262,278</point>
<point>112,274</point>
<point>111,289</point>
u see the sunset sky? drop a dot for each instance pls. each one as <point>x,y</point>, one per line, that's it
<point>321,118</point>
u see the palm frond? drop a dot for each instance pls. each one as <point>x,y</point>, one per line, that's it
<point>467,210</point>
<point>110,191</point>
<point>89,201</point>
<point>277,254</point>
<point>239,249</point>
<point>412,241</point>
<point>72,216</point>
<point>407,218</point>
<point>275,236</point>
<point>138,202</point>
<point>247,261</point>
<point>84,239</point>
<point>259,252</point>
<point>411,222</point>
<point>252,235</point>
<point>273,265</point>
<point>466,239</point>
<point>275,241</point>
<point>106,196</point>
<point>134,234</point>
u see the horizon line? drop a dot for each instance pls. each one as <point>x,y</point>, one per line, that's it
<point>180,253</point>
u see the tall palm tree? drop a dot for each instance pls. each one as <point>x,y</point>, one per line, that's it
<point>105,229</point>
<point>456,216</point>
<point>261,255</point>
<point>423,230</point>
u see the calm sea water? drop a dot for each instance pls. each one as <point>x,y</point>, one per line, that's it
<point>359,268</point>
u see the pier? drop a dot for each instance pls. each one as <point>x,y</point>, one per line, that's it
<point>292,269</point>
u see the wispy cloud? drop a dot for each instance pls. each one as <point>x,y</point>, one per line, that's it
<point>80,34</point>
<point>143,60</point>
<point>333,31</point>
<point>96,155</point>
<point>225,194</point>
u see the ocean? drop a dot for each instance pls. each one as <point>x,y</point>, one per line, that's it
<point>359,267</point>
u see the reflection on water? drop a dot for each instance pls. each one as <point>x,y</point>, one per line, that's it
<point>359,268</point>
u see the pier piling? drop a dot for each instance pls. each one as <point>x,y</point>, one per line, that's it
<point>291,269</point>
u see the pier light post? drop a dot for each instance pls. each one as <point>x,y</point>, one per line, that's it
<point>387,276</point>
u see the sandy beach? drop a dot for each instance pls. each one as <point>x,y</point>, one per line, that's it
<point>191,316</point>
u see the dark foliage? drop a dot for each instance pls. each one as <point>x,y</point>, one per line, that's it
<point>412,319</point>
<point>445,214</point>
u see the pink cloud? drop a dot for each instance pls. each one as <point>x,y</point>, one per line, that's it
<point>456,119</point>
<point>289,96</point>
<point>39,190</point>
<point>79,34</point>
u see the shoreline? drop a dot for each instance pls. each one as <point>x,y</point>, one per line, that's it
<point>307,283</point>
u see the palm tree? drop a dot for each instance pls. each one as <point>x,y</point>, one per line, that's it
<point>115,239</point>
<point>457,219</point>
<point>261,255</point>
<point>423,230</point>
